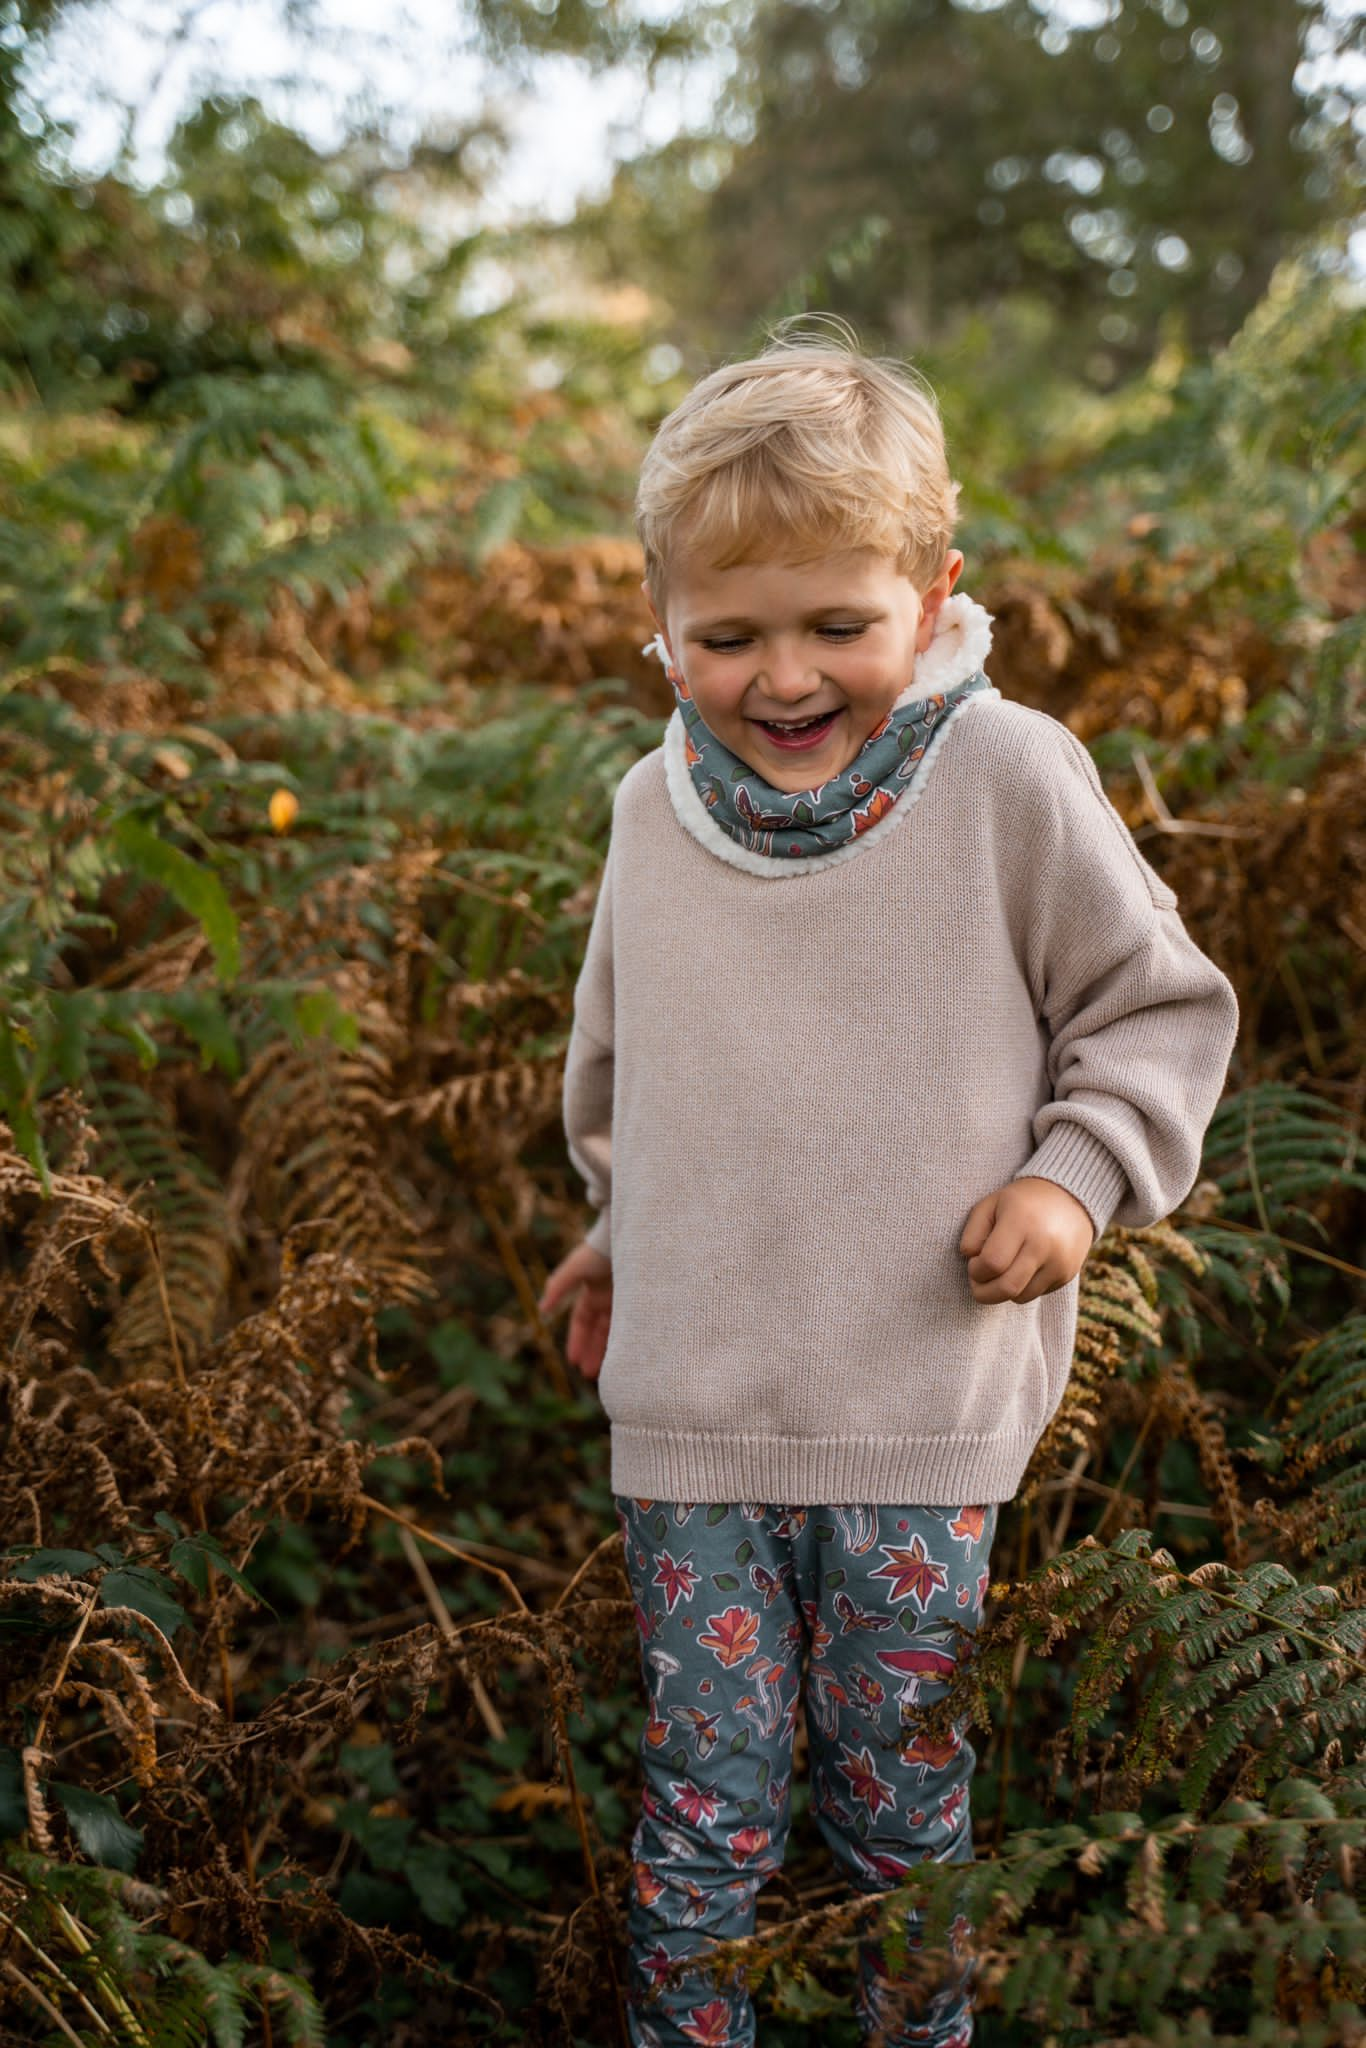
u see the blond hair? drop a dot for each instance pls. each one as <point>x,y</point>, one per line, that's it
<point>807,448</point>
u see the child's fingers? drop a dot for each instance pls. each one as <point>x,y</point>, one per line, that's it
<point>1011,1281</point>
<point>977,1229</point>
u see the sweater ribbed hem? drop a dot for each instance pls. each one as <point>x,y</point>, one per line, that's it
<point>930,1471</point>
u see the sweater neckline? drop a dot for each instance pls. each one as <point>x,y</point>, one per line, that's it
<point>960,646</point>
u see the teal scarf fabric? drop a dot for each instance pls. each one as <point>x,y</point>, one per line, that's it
<point>812,821</point>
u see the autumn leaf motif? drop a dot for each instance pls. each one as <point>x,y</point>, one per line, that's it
<point>648,1886</point>
<point>655,1961</point>
<point>891,1869</point>
<point>731,1636</point>
<point>679,1579</point>
<point>864,1783</point>
<point>656,1730</point>
<point>929,1755</point>
<point>695,1803</point>
<point>915,1575</point>
<point>877,807</point>
<point>951,1806</point>
<point>746,1843</point>
<point>968,1526</point>
<point>691,754</point>
<point>708,2024</point>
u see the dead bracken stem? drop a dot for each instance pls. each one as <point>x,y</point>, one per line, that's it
<point>516,1272</point>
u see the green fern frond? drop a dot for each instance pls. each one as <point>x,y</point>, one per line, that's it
<point>1271,1147</point>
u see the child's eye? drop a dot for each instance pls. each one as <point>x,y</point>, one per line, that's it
<point>838,633</point>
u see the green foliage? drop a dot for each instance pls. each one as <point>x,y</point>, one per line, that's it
<point>154,1989</point>
<point>291,413</point>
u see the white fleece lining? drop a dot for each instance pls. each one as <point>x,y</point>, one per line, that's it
<point>959,648</point>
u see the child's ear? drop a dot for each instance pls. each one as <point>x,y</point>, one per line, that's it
<point>935,596</point>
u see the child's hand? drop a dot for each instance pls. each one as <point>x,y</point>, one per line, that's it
<point>587,1275</point>
<point>1025,1239</point>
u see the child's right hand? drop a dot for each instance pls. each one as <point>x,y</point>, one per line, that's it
<point>587,1275</point>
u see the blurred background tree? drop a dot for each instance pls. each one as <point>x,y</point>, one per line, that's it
<point>1116,162</point>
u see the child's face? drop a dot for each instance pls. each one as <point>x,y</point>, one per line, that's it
<point>785,641</point>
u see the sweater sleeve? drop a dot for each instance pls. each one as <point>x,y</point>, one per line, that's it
<point>1141,1023</point>
<point>590,1066</point>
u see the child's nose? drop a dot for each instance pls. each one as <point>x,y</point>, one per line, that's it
<point>789,675</point>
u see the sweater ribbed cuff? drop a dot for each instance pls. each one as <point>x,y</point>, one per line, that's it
<point>600,1236</point>
<point>1079,1162</point>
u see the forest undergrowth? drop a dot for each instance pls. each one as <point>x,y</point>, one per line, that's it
<point>319,1695</point>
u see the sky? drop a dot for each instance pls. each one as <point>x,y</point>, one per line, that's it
<point>568,127</point>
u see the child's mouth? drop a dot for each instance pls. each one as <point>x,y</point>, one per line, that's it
<point>798,739</point>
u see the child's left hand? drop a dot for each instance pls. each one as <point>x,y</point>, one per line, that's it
<point>1025,1239</point>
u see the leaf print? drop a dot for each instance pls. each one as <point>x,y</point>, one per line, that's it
<point>915,1575</point>
<point>969,1526</point>
<point>648,1886</point>
<point>695,1803</point>
<point>679,1580</point>
<point>655,1961</point>
<point>725,1582</point>
<point>877,806</point>
<point>747,1843</point>
<point>930,1755</point>
<point>951,1806</point>
<point>731,1636</point>
<point>864,1783</point>
<point>709,2024</point>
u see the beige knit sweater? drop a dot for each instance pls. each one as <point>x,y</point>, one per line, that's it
<point>790,1079</point>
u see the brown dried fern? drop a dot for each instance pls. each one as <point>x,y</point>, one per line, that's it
<point>1117,1317</point>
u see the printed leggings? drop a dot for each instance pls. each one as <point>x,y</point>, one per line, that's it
<point>735,1605</point>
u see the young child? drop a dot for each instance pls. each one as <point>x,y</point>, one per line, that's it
<point>883,1017</point>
